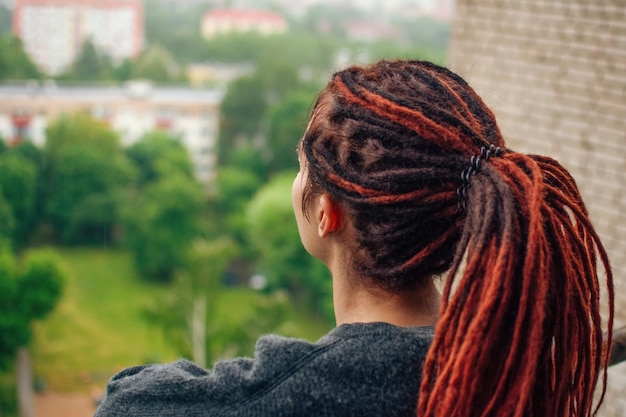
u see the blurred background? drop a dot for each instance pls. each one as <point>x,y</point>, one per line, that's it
<point>147,151</point>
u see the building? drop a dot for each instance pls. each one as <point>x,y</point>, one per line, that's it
<point>370,31</point>
<point>223,21</point>
<point>554,72</point>
<point>132,110</point>
<point>201,74</point>
<point>54,31</point>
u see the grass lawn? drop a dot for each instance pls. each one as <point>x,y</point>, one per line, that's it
<point>99,325</point>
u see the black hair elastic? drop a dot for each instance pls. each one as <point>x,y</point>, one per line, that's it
<point>466,174</point>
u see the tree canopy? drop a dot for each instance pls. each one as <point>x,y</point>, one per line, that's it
<point>282,259</point>
<point>157,154</point>
<point>19,190</point>
<point>286,124</point>
<point>15,64</point>
<point>27,293</point>
<point>86,171</point>
<point>162,223</point>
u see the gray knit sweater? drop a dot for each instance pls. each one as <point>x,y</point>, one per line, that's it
<point>361,370</point>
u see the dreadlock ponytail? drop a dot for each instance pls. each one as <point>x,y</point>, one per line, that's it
<point>419,164</point>
<point>521,336</point>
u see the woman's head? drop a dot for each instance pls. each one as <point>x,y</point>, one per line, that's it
<point>418,165</point>
<point>389,141</point>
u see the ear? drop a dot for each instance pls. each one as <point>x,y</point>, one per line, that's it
<point>329,216</point>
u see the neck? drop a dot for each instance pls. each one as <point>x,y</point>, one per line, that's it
<point>356,301</point>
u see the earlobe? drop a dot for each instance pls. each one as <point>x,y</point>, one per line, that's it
<point>329,216</point>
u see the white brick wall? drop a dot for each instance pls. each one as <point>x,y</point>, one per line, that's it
<point>554,72</point>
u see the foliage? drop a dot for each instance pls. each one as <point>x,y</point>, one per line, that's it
<point>19,187</point>
<point>235,188</point>
<point>162,222</point>
<point>192,318</point>
<point>296,48</point>
<point>247,158</point>
<point>156,64</point>
<point>8,395</point>
<point>86,171</point>
<point>282,258</point>
<point>14,63</point>
<point>175,26</point>
<point>165,216</point>
<point>90,65</point>
<point>194,296</point>
<point>241,113</point>
<point>123,71</point>
<point>287,123</point>
<point>84,205</point>
<point>235,47</point>
<point>7,221</point>
<point>40,283</point>
<point>77,129</point>
<point>30,151</point>
<point>28,201</point>
<point>243,110</point>
<point>25,295</point>
<point>158,154</point>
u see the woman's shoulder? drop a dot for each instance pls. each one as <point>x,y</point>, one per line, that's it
<point>350,357</point>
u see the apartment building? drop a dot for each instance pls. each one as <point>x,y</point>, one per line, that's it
<point>53,31</point>
<point>132,110</point>
<point>222,21</point>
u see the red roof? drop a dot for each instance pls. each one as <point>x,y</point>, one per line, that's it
<point>244,15</point>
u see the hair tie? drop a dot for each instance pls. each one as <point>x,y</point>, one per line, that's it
<point>475,164</point>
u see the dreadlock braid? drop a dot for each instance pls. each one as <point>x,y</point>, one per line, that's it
<point>521,334</point>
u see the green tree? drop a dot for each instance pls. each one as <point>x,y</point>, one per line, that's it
<point>196,291</point>
<point>156,64</point>
<point>162,222</point>
<point>245,104</point>
<point>26,294</point>
<point>182,21</point>
<point>90,65</point>
<point>29,151</point>
<point>235,47</point>
<point>18,185</point>
<point>235,188</point>
<point>86,172</point>
<point>7,222</point>
<point>273,233</point>
<point>84,206</point>
<point>76,129</point>
<point>87,64</point>
<point>14,62</point>
<point>287,123</point>
<point>123,71</point>
<point>241,111</point>
<point>189,313</point>
<point>157,154</point>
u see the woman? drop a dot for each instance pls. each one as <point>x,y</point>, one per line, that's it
<point>404,178</point>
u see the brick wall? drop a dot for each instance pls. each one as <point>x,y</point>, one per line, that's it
<point>554,72</point>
